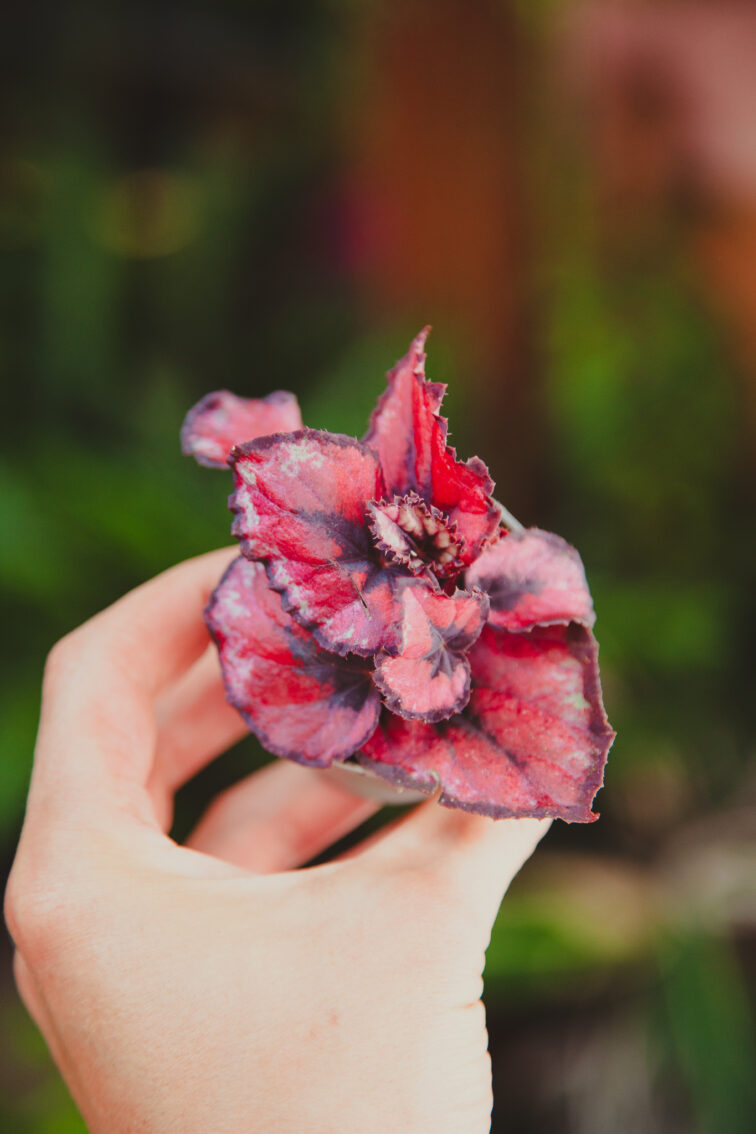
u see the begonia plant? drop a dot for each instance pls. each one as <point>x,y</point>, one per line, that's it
<point>385,610</point>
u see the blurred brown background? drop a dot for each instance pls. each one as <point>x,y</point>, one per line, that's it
<point>279,194</point>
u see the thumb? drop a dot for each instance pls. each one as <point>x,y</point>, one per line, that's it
<point>470,856</point>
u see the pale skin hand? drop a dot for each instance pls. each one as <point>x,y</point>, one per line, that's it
<point>214,988</point>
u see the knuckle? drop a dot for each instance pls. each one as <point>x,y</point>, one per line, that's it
<point>61,658</point>
<point>11,911</point>
<point>29,911</point>
<point>40,914</point>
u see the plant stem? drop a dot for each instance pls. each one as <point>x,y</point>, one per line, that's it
<point>512,523</point>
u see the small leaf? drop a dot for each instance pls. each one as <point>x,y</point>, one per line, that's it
<point>410,438</point>
<point>532,578</point>
<point>221,420</point>
<point>427,676</point>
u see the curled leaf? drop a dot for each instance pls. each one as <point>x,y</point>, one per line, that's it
<point>301,701</point>
<point>427,676</point>
<point>300,505</point>
<point>410,438</point>
<point>412,535</point>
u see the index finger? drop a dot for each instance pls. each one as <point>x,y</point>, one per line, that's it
<point>97,730</point>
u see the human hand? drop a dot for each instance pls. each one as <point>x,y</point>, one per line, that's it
<point>213,987</point>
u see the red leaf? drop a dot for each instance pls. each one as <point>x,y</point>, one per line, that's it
<point>426,676</point>
<point>302,702</point>
<point>532,577</point>
<point>301,505</point>
<point>221,420</point>
<point>532,742</point>
<point>410,438</point>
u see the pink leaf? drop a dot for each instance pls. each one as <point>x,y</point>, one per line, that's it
<point>302,702</point>
<point>532,577</point>
<point>533,740</point>
<point>300,504</point>
<point>426,676</point>
<point>410,438</point>
<point>222,420</point>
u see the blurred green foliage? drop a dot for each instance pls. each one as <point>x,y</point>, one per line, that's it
<point>704,1000</point>
<point>164,234</point>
